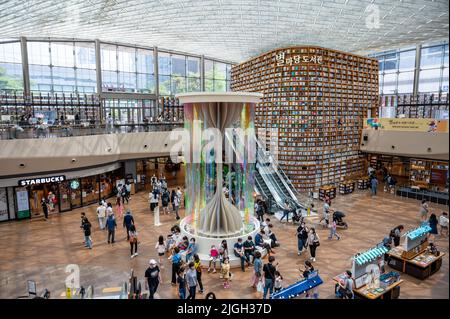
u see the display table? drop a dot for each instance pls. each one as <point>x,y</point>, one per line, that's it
<point>346,187</point>
<point>329,191</point>
<point>389,292</point>
<point>363,183</point>
<point>422,266</point>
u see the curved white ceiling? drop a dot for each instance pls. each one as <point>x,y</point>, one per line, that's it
<point>232,29</point>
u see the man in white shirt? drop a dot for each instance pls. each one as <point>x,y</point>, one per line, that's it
<point>443,222</point>
<point>101,214</point>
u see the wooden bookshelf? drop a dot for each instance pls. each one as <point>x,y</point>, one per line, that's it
<point>316,99</point>
<point>420,173</point>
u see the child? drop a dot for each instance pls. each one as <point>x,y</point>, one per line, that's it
<point>225,272</point>
<point>198,269</point>
<point>181,280</point>
<point>213,254</point>
<point>169,243</point>
<point>443,222</point>
<point>160,248</point>
<point>333,230</point>
<point>278,281</point>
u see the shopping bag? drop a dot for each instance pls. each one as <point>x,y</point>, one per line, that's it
<point>260,286</point>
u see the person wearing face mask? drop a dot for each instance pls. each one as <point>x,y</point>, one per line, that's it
<point>302,237</point>
<point>191,249</point>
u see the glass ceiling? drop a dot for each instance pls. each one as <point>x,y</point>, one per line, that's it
<point>232,29</point>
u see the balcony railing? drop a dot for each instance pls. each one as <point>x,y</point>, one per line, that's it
<point>14,131</point>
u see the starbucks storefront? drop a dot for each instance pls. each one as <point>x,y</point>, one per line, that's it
<point>63,192</point>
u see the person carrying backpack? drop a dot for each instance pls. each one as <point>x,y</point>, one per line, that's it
<point>128,221</point>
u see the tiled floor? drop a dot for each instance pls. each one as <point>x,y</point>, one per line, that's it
<point>41,250</point>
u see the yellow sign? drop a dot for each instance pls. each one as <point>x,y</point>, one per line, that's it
<point>406,124</point>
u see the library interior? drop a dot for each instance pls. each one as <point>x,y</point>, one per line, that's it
<point>290,149</point>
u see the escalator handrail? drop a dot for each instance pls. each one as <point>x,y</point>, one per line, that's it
<point>278,170</point>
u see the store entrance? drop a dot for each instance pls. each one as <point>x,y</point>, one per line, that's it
<point>49,192</point>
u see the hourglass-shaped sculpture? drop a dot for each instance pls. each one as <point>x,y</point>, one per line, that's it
<point>219,199</point>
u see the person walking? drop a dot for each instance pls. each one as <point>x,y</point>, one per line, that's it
<point>302,237</point>
<point>181,280</point>
<point>225,272</point>
<point>257,269</point>
<point>333,232</point>
<point>101,215</point>
<point>165,198</point>
<point>152,278</point>
<point>160,248</point>
<point>286,211</point>
<point>269,270</point>
<point>424,210</point>
<point>111,225</point>
<point>44,207</point>
<point>433,223</point>
<point>133,239</point>
<point>198,269</point>
<point>191,279</point>
<point>176,203</point>
<point>374,186</point>
<point>172,199</point>
<point>443,222</point>
<point>119,206</point>
<point>128,221</point>
<point>176,264</point>
<point>191,250</point>
<point>154,200</point>
<point>87,233</point>
<point>313,243</point>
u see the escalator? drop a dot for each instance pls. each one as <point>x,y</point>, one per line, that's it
<point>270,180</point>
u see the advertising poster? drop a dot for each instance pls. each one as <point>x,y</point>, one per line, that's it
<point>23,204</point>
<point>407,124</point>
<point>3,205</point>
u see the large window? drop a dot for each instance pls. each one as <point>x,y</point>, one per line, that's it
<point>433,76</point>
<point>62,67</point>
<point>178,73</point>
<point>397,70</point>
<point>65,66</point>
<point>217,76</point>
<point>11,76</point>
<point>127,69</point>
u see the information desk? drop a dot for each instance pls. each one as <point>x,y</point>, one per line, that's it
<point>422,266</point>
<point>389,292</point>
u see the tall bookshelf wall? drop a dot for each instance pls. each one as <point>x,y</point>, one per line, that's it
<point>316,98</point>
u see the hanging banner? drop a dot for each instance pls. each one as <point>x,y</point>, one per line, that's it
<point>3,205</point>
<point>23,204</point>
<point>406,124</point>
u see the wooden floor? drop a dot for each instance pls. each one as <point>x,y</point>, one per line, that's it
<point>40,250</point>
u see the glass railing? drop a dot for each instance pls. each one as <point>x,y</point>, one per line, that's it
<point>15,131</point>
